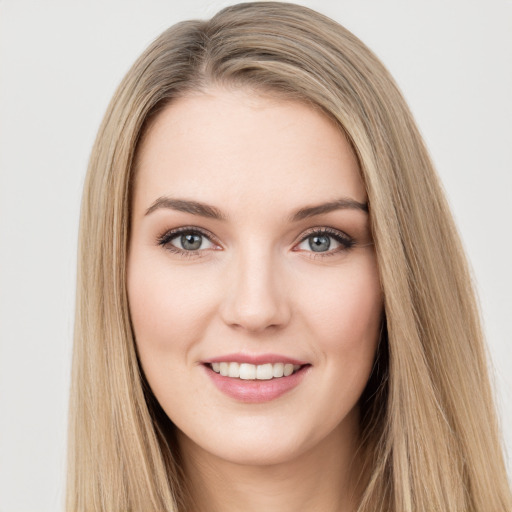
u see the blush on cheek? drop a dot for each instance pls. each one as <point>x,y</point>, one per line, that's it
<point>347,306</point>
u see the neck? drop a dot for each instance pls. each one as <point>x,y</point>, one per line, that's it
<point>325,478</point>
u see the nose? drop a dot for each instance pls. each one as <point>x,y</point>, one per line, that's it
<point>255,297</point>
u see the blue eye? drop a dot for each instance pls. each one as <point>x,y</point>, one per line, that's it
<point>190,241</point>
<point>320,243</point>
<point>325,241</point>
<point>186,240</point>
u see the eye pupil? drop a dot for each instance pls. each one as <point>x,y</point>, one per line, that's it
<point>191,241</point>
<point>319,243</point>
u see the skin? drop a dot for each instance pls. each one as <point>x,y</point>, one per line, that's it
<point>255,286</point>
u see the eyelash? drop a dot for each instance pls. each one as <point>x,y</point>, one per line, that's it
<point>165,240</point>
<point>346,242</point>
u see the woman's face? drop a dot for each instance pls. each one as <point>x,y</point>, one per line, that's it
<point>250,254</point>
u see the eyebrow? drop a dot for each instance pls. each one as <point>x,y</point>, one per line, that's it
<point>183,205</point>
<point>339,204</point>
<point>211,212</point>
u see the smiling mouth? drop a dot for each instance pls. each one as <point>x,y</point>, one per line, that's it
<point>247,371</point>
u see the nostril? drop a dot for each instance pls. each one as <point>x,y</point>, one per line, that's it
<point>255,302</point>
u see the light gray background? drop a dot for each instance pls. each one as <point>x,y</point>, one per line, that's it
<point>59,64</point>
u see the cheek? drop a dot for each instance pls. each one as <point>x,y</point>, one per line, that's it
<point>167,313</point>
<point>168,319</point>
<point>344,311</point>
<point>344,306</point>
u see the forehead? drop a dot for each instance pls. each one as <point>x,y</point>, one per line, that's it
<point>231,148</point>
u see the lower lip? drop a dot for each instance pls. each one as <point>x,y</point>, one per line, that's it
<point>256,391</point>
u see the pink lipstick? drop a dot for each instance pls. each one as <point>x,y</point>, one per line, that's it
<point>255,378</point>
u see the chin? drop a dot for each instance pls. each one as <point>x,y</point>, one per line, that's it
<point>253,452</point>
<point>252,442</point>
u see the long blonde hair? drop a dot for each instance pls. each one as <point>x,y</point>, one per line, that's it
<point>429,428</point>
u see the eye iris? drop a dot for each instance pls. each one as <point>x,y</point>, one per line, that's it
<point>319,243</point>
<point>191,241</point>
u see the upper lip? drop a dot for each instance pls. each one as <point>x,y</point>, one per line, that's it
<point>255,359</point>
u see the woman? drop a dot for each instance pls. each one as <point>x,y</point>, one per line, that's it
<point>274,310</point>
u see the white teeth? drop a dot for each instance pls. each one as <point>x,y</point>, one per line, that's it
<point>246,371</point>
<point>224,369</point>
<point>234,370</point>
<point>278,370</point>
<point>288,369</point>
<point>264,371</point>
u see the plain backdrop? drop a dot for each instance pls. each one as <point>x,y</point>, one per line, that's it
<point>60,62</point>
